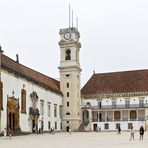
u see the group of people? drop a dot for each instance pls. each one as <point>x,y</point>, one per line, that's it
<point>36,131</point>
<point>141,133</point>
<point>52,131</point>
<point>132,132</point>
<point>6,133</point>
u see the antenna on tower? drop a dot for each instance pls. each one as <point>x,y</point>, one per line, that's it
<point>69,15</point>
<point>94,71</point>
<point>72,18</point>
<point>77,22</point>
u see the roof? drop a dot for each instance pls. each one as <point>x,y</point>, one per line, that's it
<point>31,75</point>
<point>116,82</point>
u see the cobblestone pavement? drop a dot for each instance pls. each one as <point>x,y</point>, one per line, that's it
<point>76,140</point>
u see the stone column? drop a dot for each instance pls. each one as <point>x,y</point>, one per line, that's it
<point>106,118</point>
<point>137,114</point>
<point>113,116</point>
<point>121,115</point>
<point>128,115</point>
<point>90,119</point>
<point>98,115</point>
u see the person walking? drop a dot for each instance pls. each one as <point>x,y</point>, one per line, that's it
<point>119,130</point>
<point>69,130</point>
<point>132,133</point>
<point>141,132</point>
<point>5,133</point>
<point>10,133</point>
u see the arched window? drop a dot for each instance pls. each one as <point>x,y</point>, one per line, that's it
<point>68,55</point>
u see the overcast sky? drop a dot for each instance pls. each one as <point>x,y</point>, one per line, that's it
<point>114,34</point>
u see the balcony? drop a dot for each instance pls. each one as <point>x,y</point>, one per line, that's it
<point>125,106</point>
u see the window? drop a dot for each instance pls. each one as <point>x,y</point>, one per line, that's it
<point>67,104</point>
<point>67,113</point>
<point>67,75</point>
<point>67,94</point>
<point>117,125</point>
<point>55,110</point>
<point>60,111</point>
<point>67,85</point>
<point>42,107</point>
<point>55,126</point>
<point>106,126</point>
<point>133,115</point>
<point>23,101</point>
<point>49,108</point>
<point>130,125</point>
<point>49,126</point>
<point>117,115</point>
<point>141,103</point>
<point>100,104</point>
<point>114,103</point>
<point>127,103</point>
<point>68,55</point>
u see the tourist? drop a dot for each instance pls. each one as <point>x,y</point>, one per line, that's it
<point>52,131</point>
<point>141,132</point>
<point>69,130</point>
<point>5,133</point>
<point>132,133</point>
<point>119,130</point>
<point>10,133</point>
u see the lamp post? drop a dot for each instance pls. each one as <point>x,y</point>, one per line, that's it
<point>1,51</point>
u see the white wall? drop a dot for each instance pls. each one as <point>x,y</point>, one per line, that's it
<point>11,83</point>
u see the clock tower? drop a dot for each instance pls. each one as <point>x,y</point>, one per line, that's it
<point>70,72</point>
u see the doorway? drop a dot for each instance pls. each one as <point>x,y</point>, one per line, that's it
<point>95,127</point>
<point>13,114</point>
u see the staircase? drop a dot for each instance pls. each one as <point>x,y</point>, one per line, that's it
<point>81,128</point>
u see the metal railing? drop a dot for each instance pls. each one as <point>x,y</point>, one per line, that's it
<point>119,120</point>
<point>125,106</point>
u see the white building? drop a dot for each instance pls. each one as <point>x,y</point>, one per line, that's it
<point>110,100</point>
<point>28,98</point>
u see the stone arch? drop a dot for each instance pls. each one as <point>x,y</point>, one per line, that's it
<point>68,55</point>
<point>85,116</point>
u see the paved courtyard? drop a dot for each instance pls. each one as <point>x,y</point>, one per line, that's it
<point>76,140</point>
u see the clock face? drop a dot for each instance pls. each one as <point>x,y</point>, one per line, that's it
<point>67,35</point>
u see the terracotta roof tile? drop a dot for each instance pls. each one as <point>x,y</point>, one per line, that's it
<point>30,74</point>
<point>116,82</point>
